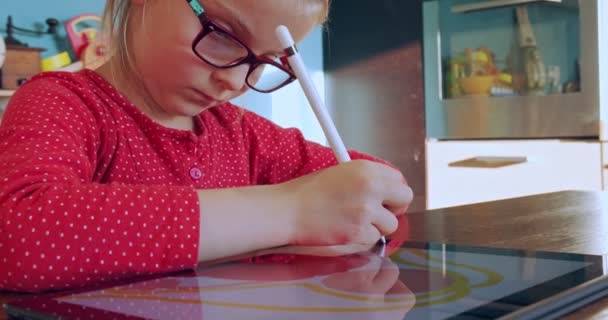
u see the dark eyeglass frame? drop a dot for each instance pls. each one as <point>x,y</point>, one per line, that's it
<point>251,58</point>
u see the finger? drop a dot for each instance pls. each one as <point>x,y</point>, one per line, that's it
<point>385,221</point>
<point>369,272</point>
<point>400,289</point>
<point>386,277</point>
<point>390,185</point>
<point>398,198</point>
<point>395,188</point>
<point>389,174</point>
<point>375,261</point>
<point>369,235</point>
<point>321,251</point>
<point>398,211</point>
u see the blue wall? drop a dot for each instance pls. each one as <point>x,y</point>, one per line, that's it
<point>31,14</point>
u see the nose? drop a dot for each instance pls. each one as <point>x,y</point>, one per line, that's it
<point>232,79</point>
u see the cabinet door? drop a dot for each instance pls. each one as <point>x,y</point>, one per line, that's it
<point>604,165</point>
<point>463,172</point>
<point>517,61</point>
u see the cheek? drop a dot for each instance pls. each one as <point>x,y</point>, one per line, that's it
<point>162,33</point>
<point>164,49</point>
<point>168,60</point>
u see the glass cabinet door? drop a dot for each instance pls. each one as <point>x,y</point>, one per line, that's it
<point>505,61</point>
<point>489,49</point>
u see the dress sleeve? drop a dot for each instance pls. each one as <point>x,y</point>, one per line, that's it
<point>58,229</point>
<point>280,154</point>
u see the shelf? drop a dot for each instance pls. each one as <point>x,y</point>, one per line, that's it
<point>6,93</point>
<point>463,8</point>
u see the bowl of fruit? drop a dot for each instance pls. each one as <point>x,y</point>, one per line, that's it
<point>477,85</point>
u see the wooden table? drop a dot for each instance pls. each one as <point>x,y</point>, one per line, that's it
<point>575,222</point>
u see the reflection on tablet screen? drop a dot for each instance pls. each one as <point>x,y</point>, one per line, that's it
<point>418,281</point>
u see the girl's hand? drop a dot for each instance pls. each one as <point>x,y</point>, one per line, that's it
<point>319,251</point>
<point>353,203</point>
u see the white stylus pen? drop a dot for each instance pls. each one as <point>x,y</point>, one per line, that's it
<point>297,65</point>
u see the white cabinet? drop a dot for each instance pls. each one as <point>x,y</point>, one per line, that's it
<point>464,172</point>
<point>605,165</point>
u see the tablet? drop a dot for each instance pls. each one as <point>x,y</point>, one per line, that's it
<point>417,281</point>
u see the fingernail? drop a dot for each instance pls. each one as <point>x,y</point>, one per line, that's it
<point>409,194</point>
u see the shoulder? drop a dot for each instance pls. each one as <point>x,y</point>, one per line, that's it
<point>60,83</point>
<point>53,88</point>
<point>57,93</point>
<point>55,97</point>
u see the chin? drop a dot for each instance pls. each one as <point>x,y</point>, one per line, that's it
<point>199,110</point>
<point>190,109</point>
<point>191,112</point>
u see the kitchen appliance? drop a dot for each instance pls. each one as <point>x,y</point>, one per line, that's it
<point>11,29</point>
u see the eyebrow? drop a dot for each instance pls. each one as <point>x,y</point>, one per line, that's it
<point>239,25</point>
<point>233,19</point>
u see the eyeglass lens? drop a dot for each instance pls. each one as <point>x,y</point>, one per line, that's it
<point>222,50</point>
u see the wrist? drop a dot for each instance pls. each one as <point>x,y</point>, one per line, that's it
<point>288,205</point>
<point>240,220</point>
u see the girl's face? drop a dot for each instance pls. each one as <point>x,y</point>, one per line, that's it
<point>176,81</point>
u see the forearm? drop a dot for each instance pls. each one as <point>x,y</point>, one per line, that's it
<point>241,220</point>
<point>86,233</point>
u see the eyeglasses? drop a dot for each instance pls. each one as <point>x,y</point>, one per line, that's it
<point>219,48</point>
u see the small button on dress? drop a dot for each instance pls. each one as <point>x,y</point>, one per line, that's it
<point>196,173</point>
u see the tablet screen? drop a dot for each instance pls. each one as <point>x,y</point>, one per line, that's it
<point>418,281</point>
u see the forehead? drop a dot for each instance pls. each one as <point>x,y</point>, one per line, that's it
<point>256,20</point>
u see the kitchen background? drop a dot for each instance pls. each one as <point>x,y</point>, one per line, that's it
<point>395,75</point>
<point>515,95</point>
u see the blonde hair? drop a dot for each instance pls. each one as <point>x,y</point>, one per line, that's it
<point>115,22</point>
<point>116,26</point>
<point>325,12</point>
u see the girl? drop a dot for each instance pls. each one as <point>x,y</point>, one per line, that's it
<point>144,166</point>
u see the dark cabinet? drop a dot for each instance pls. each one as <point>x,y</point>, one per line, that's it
<point>374,82</point>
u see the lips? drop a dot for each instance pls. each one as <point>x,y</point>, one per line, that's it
<point>204,99</point>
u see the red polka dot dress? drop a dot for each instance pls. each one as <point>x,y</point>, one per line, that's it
<point>93,190</point>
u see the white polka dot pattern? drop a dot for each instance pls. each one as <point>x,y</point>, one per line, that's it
<point>93,190</point>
